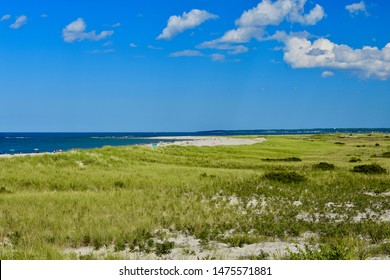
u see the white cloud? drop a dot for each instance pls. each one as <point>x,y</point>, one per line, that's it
<point>314,16</point>
<point>273,13</point>
<point>76,31</point>
<point>327,74</point>
<point>5,17</point>
<point>178,24</point>
<point>367,62</point>
<point>44,15</point>
<point>217,57</point>
<point>252,23</point>
<point>20,21</point>
<point>357,8</point>
<point>186,53</point>
<point>132,45</point>
<point>230,48</point>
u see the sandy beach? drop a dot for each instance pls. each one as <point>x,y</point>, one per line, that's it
<point>201,141</point>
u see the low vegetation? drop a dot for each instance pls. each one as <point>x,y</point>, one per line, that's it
<point>142,202</point>
<point>285,177</point>
<point>324,166</point>
<point>369,169</point>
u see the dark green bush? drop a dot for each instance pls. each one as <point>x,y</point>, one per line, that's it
<point>339,143</point>
<point>369,169</point>
<point>355,159</point>
<point>285,177</point>
<point>324,166</point>
<point>164,248</point>
<point>119,184</point>
<point>384,155</point>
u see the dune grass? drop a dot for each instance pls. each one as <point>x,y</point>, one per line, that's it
<point>126,197</point>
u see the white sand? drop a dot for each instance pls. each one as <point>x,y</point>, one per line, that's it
<point>201,141</point>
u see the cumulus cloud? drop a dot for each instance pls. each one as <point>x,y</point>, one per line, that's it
<point>186,53</point>
<point>273,13</point>
<point>178,24</point>
<point>252,23</point>
<point>367,62</point>
<point>357,8</point>
<point>5,17</point>
<point>19,22</point>
<point>76,31</point>
<point>327,74</point>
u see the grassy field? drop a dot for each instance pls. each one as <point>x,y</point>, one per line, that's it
<point>305,193</point>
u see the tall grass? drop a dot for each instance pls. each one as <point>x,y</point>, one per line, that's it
<point>125,196</point>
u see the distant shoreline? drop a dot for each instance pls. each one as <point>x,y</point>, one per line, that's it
<point>33,143</point>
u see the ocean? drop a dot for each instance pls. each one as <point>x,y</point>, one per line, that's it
<point>14,143</point>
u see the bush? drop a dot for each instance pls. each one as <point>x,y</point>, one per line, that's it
<point>384,155</point>
<point>164,248</point>
<point>355,159</point>
<point>324,166</point>
<point>336,251</point>
<point>339,143</point>
<point>369,169</point>
<point>285,177</point>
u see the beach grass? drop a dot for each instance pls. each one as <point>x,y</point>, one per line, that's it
<point>135,199</point>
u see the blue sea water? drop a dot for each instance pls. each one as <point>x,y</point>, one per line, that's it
<point>11,143</point>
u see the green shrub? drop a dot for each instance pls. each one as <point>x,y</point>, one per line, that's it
<point>355,159</point>
<point>369,169</point>
<point>324,166</point>
<point>285,177</point>
<point>119,184</point>
<point>386,155</point>
<point>164,248</point>
<point>335,251</point>
<point>339,143</point>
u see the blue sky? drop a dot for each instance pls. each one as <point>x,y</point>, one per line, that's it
<point>146,65</point>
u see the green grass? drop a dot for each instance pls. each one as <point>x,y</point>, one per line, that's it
<point>128,197</point>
